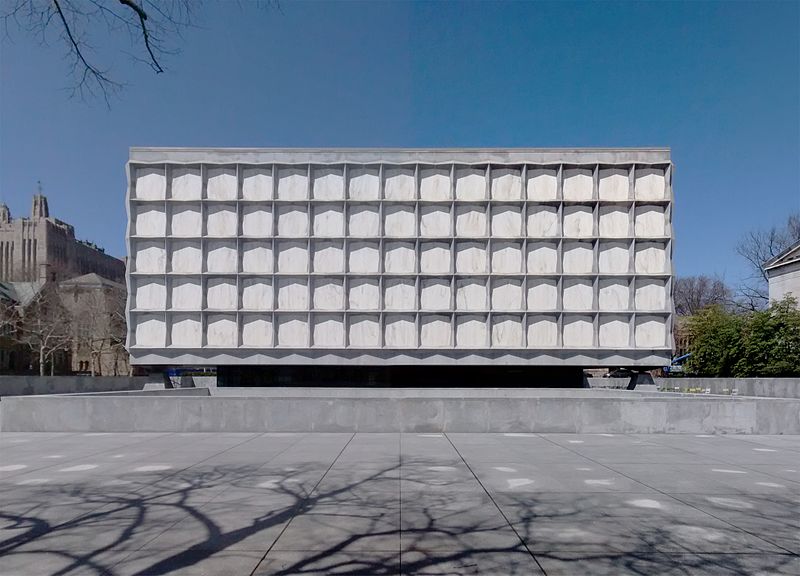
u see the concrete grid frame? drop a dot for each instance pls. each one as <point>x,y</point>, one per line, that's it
<point>395,256</point>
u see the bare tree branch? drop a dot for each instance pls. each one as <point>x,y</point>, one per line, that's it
<point>145,34</point>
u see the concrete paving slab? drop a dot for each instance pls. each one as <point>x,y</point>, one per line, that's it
<point>419,503</point>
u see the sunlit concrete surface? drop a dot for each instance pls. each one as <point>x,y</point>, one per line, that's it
<point>427,503</point>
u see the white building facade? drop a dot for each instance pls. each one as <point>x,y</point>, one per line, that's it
<point>543,257</point>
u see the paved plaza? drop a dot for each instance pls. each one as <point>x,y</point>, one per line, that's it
<point>257,504</point>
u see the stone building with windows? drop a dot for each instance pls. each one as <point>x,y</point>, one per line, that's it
<point>783,274</point>
<point>42,249</point>
<point>336,260</point>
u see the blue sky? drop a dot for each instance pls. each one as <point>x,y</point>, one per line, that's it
<point>717,82</point>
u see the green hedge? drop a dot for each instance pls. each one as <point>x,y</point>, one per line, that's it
<point>762,343</point>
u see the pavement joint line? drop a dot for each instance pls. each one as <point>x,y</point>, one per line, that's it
<point>499,509</point>
<point>400,499</point>
<point>294,515</point>
<point>675,497</point>
<point>730,462</point>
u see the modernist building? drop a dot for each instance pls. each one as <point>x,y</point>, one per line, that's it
<point>41,248</point>
<point>388,257</point>
<point>783,274</point>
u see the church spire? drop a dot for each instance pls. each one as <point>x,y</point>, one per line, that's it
<point>39,208</point>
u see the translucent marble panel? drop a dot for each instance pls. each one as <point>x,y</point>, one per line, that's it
<point>363,257</point>
<point>149,220</point>
<point>150,293</point>
<point>435,294</point>
<point>293,331</point>
<point>506,257</point>
<point>363,221</point>
<point>472,331</point>
<point>151,331</point>
<point>222,331</point>
<point>542,184</point>
<point>542,257</point>
<point>435,331</point>
<point>471,258</point>
<point>221,220</point>
<point>328,256</point>
<point>614,332</point>
<point>578,258</point>
<point>470,183</point>
<point>650,184</point>
<point>650,332</point>
<point>257,257</point>
<point>292,183</point>
<point>543,221</point>
<point>256,221</point>
<point>186,331</point>
<point>614,184</point>
<point>364,183</point>
<point>434,183</point>
<point>613,294</point>
<point>150,183</point>
<point>257,183</point>
<point>328,294</point>
<point>578,332</point>
<point>363,294</point>
<point>187,294</point>
<point>613,258</point>
<point>651,258</point>
<point>471,295</point>
<point>650,294</point>
<point>506,220</point>
<point>614,221</point>
<point>328,183</point>
<point>222,184</point>
<point>364,331</point>
<point>434,258</point>
<point>400,258</point>
<point>471,221</point>
<point>650,221</point>
<point>292,257</point>
<point>542,294</point>
<point>399,184</point>
<point>578,221</point>
<point>400,331</point>
<point>328,331</point>
<point>578,294</point>
<point>434,221</point>
<point>186,256</point>
<point>542,331</point>
<point>256,331</point>
<point>221,294</point>
<point>506,294</point>
<point>292,221</point>
<point>221,256</point>
<point>399,221</point>
<point>399,294</point>
<point>293,294</point>
<point>506,331</point>
<point>578,184</point>
<point>150,257</point>
<point>186,183</point>
<point>186,220</point>
<point>506,183</point>
<point>257,294</point>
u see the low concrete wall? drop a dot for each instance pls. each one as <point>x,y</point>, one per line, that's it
<point>762,387</point>
<point>28,385</point>
<point>600,413</point>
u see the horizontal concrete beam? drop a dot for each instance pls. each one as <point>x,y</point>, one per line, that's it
<point>637,413</point>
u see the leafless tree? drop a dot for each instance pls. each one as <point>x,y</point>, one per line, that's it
<point>45,327</point>
<point>153,29</point>
<point>758,247</point>
<point>693,293</point>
